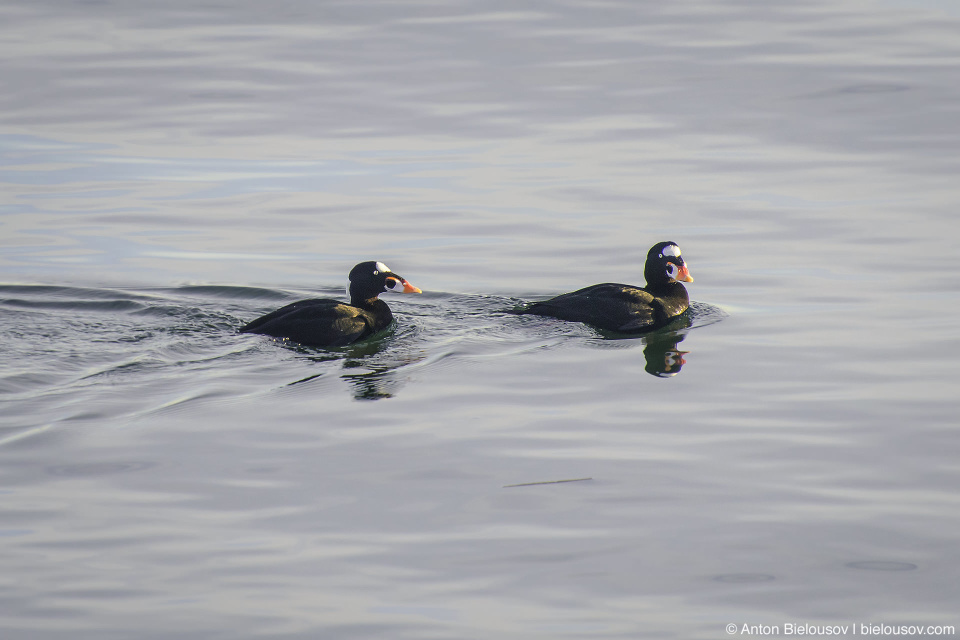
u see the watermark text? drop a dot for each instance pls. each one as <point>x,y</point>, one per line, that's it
<point>866,629</point>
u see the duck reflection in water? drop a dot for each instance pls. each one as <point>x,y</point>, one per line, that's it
<point>664,359</point>
<point>370,373</point>
<point>371,383</point>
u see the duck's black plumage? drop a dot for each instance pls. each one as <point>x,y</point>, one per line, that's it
<point>324,322</point>
<point>625,308</point>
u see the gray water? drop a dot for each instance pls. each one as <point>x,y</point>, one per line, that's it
<point>172,170</point>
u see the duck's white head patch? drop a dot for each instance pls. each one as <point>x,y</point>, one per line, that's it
<point>381,268</point>
<point>671,250</point>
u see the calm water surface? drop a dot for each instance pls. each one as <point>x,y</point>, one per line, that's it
<point>172,171</point>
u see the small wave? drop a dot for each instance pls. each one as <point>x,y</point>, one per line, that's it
<point>92,469</point>
<point>24,382</point>
<point>228,292</point>
<point>74,305</point>
<point>76,293</point>
<point>703,314</point>
<point>189,319</point>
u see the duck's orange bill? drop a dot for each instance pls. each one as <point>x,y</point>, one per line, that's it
<point>683,275</point>
<point>409,288</point>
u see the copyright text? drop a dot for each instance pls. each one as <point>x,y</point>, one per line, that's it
<point>850,629</point>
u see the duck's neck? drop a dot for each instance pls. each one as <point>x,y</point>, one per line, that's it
<point>377,311</point>
<point>370,304</point>
<point>669,290</point>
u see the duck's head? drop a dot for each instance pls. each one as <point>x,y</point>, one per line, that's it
<point>665,266</point>
<point>370,279</point>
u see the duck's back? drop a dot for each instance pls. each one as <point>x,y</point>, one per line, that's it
<point>615,307</point>
<point>319,322</point>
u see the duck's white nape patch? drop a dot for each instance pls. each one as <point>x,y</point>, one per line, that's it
<point>382,268</point>
<point>671,250</point>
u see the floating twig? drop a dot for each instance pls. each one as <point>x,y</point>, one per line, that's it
<point>531,484</point>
